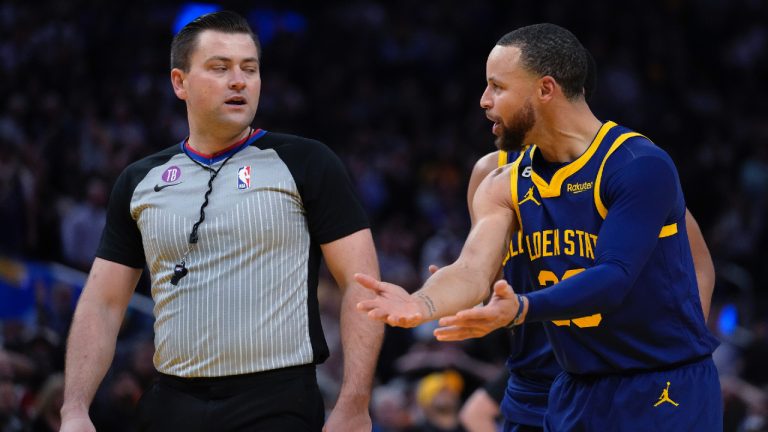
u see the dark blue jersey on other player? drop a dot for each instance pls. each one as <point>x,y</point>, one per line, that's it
<point>531,363</point>
<point>625,295</point>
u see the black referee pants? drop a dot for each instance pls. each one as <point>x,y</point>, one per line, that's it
<point>283,400</point>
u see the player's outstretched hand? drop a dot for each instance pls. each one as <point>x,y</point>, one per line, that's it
<point>391,305</point>
<point>479,321</point>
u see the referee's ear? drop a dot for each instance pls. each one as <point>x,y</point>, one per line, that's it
<point>177,80</point>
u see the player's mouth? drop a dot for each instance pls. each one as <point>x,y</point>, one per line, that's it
<point>496,128</point>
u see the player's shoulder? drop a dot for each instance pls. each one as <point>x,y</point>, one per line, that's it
<point>498,178</point>
<point>635,147</point>
<point>486,164</point>
<point>493,160</point>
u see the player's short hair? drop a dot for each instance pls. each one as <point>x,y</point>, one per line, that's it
<point>548,49</point>
<point>223,21</point>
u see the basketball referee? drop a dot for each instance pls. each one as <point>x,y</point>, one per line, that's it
<point>232,223</point>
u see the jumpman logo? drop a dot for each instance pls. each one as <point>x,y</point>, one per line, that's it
<point>665,397</point>
<point>529,197</point>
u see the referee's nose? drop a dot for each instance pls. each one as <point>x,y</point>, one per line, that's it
<point>237,79</point>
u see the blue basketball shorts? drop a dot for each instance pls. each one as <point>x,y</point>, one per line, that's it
<point>685,398</point>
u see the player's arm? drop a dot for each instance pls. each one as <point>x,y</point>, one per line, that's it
<point>465,282</point>
<point>484,166</point>
<point>640,196</point>
<point>702,261</point>
<point>92,338</point>
<point>360,337</point>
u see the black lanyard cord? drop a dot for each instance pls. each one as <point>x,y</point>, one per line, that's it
<point>193,235</point>
<point>180,270</point>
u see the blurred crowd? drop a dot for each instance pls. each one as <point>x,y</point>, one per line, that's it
<point>393,88</point>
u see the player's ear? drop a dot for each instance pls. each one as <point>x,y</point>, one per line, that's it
<point>547,86</point>
<point>177,80</point>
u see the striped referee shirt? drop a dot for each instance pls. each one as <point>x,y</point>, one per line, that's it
<point>249,301</point>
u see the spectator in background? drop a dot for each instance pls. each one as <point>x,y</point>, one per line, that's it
<point>481,411</point>
<point>9,404</point>
<point>439,397</point>
<point>82,224</point>
<point>392,408</point>
<point>705,74</point>
<point>47,417</point>
<point>16,195</point>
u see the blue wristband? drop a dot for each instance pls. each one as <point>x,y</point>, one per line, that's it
<point>519,313</point>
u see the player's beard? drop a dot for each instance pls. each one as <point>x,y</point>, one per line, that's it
<point>513,138</point>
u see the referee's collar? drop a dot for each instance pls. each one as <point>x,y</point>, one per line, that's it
<point>223,154</point>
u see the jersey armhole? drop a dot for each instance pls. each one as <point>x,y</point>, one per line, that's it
<point>666,230</point>
<point>513,188</point>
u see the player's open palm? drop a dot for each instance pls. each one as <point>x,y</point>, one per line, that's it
<point>479,321</point>
<point>391,305</point>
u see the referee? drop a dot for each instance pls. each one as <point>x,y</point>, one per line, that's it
<point>232,223</point>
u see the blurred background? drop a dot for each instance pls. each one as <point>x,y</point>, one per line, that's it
<point>393,88</point>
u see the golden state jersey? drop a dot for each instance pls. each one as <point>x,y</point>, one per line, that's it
<point>659,321</point>
<point>531,364</point>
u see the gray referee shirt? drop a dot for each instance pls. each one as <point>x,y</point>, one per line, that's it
<point>249,301</point>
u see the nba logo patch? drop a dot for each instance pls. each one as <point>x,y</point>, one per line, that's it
<point>244,177</point>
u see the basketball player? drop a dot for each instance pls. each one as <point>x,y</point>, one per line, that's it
<point>601,214</point>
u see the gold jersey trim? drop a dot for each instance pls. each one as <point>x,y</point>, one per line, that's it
<point>502,158</point>
<point>666,230</point>
<point>552,189</point>
<point>615,146</point>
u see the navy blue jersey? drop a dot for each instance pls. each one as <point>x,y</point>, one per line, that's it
<point>623,294</point>
<point>531,363</point>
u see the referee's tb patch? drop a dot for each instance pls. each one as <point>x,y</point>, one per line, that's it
<point>244,177</point>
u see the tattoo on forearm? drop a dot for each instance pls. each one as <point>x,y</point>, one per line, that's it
<point>430,304</point>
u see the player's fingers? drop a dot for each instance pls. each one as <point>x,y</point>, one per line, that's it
<point>486,324</point>
<point>369,282</point>
<point>447,321</point>
<point>455,333</point>
<point>367,305</point>
<point>406,321</point>
<point>463,319</point>
<point>478,313</point>
<point>503,289</point>
<point>433,269</point>
<point>378,315</point>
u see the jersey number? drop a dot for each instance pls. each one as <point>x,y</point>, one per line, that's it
<point>547,277</point>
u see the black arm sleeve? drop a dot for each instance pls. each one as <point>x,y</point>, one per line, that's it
<point>121,238</point>
<point>333,209</point>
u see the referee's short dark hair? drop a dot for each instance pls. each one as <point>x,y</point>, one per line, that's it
<point>223,21</point>
<point>548,49</point>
